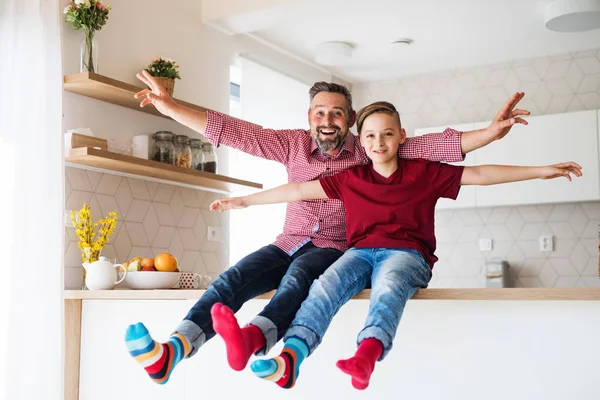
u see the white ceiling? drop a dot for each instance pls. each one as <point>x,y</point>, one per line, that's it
<point>447,34</point>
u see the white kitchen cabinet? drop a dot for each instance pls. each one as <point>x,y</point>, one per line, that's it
<point>548,139</point>
<point>466,195</point>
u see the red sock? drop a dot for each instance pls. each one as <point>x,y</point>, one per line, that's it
<point>361,366</point>
<point>240,343</point>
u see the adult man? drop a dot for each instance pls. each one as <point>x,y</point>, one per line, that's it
<point>314,231</point>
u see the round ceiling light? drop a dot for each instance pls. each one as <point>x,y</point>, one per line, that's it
<point>333,53</point>
<point>573,15</point>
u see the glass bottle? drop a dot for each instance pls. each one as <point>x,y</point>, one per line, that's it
<point>197,155</point>
<point>183,153</point>
<point>163,149</point>
<point>210,158</point>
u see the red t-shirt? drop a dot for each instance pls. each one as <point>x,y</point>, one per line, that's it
<point>394,212</point>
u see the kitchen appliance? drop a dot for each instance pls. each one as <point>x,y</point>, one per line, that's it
<point>496,274</point>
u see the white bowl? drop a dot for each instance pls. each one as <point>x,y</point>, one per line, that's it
<point>151,279</point>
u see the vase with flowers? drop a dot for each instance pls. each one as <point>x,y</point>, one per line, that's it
<point>92,236</point>
<point>88,16</point>
<point>165,71</point>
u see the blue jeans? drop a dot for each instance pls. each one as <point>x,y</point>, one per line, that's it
<point>394,275</point>
<point>264,270</point>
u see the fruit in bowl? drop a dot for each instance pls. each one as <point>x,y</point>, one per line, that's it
<point>161,272</point>
<point>165,262</point>
<point>152,279</point>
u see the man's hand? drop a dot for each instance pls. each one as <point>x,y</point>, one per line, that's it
<point>228,204</point>
<point>562,169</point>
<point>506,118</point>
<point>156,95</point>
<point>500,126</point>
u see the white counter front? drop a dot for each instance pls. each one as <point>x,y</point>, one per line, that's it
<point>445,349</point>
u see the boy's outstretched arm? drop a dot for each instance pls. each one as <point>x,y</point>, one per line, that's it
<point>280,194</point>
<point>493,174</point>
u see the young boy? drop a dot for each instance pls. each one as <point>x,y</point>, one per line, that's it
<point>390,232</point>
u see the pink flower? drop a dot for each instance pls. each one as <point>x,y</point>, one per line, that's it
<point>100,6</point>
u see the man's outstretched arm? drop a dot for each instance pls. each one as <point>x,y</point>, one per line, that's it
<point>218,128</point>
<point>500,126</point>
<point>165,104</point>
<point>451,145</point>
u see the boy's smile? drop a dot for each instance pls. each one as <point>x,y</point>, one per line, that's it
<point>381,136</point>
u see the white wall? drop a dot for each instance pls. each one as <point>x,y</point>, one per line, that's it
<point>463,350</point>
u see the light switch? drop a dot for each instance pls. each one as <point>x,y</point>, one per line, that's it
<point>214,234</point>
<point>485,244</point>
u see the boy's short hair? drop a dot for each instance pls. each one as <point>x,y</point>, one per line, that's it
<point>375,108</point>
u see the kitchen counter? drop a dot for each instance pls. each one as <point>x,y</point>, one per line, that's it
<point>519,335</point>
<point>423,294</point>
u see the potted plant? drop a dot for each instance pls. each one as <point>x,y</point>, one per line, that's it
<point>165,71</point>
<point>89,16</point>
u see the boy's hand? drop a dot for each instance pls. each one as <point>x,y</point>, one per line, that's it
<point>156,95</point>
<point>562,169</point>
<point>227,204</point>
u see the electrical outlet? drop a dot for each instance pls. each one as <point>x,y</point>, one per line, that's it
<point>486,244</point>
<point>546,243</point>
<point>215,234</point>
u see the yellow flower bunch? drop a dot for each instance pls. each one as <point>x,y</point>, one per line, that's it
<point>91,242</point>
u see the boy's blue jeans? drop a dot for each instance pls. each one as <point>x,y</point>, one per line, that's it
<point>394,276</point>
<point>264,270</point>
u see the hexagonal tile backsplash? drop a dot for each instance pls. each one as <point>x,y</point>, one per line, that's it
<point>515,232</point>
<point>552,85</point>
<point>156,217</point>
<point>152,218</point>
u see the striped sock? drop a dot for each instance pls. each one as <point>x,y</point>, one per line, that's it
<point>284,369</point>
<point>158,359</point>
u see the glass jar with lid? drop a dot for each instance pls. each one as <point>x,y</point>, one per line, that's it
<point>210,158</point>
<point>163,149</point>
<point>183,153</point>
<point>197,155</point>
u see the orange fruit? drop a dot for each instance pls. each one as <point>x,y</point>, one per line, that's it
<point>165,262</point>
<point>147,262</point>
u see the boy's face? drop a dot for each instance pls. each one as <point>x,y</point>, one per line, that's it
<point>381,136</point>
<point>329,121</point>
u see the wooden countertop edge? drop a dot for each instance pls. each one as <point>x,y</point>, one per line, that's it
<point>423,294</point>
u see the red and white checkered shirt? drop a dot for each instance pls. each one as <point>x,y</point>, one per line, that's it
<point>320,221</point>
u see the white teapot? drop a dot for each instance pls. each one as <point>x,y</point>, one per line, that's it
<point>102,274</point>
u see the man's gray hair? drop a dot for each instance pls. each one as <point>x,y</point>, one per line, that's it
<point>331,87</point>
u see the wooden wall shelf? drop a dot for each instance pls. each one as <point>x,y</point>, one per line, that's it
<point>106,160</point>
<point>112,91</point>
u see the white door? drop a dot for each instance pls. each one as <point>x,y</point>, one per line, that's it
<point>466,195</point>
<point>548,139</point>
